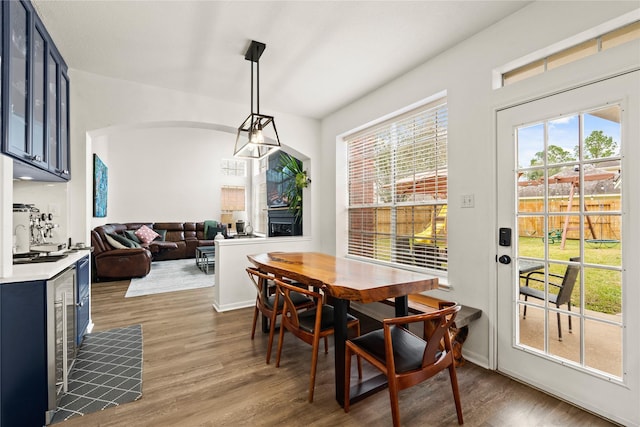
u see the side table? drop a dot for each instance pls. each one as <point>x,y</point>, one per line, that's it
<point>205,257</point>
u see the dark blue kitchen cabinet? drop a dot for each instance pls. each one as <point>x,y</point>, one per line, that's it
<point>37,344</point>
<point>83,282</point>
<point>35,96</point>
<point>23,355</point>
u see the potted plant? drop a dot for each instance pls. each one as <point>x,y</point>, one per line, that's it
<point>295,180</point>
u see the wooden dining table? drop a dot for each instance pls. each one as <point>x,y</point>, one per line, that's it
<point>346,280</point>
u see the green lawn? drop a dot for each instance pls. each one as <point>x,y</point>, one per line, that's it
<point>603,290</point>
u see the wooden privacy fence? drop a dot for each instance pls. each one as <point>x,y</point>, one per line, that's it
<point>413,220</point>
<point>600,225</point>
<point>410,220</point>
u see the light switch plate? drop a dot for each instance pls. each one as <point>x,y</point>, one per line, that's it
<point>467,201</point>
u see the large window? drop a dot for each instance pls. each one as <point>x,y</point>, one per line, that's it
<point>232,204</point>
<point>397,184</point>
<point>233,167</point>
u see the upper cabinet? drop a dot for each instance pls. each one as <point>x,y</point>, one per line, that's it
<point>35,96</point>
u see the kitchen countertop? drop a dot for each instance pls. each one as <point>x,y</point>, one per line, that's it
<point>44,270</point>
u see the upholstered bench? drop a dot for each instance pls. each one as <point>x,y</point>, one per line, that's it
<point>419,303</point>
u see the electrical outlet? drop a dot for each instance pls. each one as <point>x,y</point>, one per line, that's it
<point>467,201</point>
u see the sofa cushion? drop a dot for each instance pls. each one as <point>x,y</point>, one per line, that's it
<point>125,241</point>
<point>212,231</point>
<point>209,224</point>
<point>162,235</point>
<point>131,235</point>
<point>145,234</point>
<point>114,242</point>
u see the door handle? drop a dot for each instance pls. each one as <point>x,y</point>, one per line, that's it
<point>504,259</point>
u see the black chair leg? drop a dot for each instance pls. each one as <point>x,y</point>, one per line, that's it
<point>524,314</point>
<point>570,329</point>
<point>559,328</point>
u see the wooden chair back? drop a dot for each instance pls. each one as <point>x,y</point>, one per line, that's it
<point>268,304</point>
<point>318,323</point>
<point>259,280</point>
<point>290,319</point>
<point>403,369</point>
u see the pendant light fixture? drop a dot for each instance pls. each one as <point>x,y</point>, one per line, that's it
<point>251,142</point>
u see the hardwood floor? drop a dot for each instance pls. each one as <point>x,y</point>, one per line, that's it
<point>202,369</point>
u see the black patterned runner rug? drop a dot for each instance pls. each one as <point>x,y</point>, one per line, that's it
<point>107,372</point>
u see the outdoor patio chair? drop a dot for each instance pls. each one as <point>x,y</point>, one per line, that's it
<point>564,284</point>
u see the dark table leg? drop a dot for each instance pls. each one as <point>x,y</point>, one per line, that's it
<point>340,324</point>
<point>402,306</point>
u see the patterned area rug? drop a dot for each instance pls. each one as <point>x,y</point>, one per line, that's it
<point>107,372</point>
<point>170,276</point>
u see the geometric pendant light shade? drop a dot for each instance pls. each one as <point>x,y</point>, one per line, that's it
<point>251,142</point>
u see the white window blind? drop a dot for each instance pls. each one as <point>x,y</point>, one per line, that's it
<point>232,198</point>
<point>397,173</point>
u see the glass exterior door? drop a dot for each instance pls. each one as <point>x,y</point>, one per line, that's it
<point>567,303</point>
<point>569,222</point>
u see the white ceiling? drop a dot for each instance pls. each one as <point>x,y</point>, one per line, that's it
<point>320,55</point>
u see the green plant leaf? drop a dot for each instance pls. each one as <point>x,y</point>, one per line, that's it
<point>291,167</point>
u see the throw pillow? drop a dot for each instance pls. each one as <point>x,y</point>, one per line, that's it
<point>145,234</point>
<point>212,231</point>
<point>207,225</point>
<point>121,239</point>
<point>114,243</point>
<point>130,242</point>
<point>131,235</point>
<point>162,234</point>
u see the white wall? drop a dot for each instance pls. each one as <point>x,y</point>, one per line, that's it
<point>465,72</point>
<point>233,287</point>
<point>6,216</point>
<point>164,174</point>
<point>182,131</point>
<point>102,107</point>
<point>49,197</point>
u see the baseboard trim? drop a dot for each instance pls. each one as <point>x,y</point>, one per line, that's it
<point>236,306</point>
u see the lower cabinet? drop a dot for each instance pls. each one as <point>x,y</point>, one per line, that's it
<point>33,315</point>
<point>83,283</point>
<point>23,354</point>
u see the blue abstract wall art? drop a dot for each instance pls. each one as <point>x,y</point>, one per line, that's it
<point>100,187</point>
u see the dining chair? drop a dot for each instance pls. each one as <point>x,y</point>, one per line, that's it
<point>405,358</point>
<point>310,325</point>
<point>563,283</point>
<point>267,305</point>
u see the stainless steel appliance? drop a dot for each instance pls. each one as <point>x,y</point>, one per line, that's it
<point>32,234</point>
<point>61,333</point>
<point>42,227</point>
